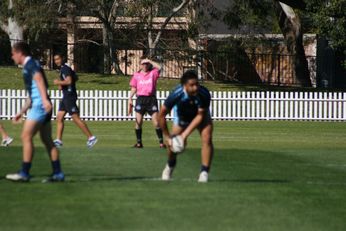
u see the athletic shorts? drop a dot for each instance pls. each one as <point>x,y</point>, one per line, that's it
<point>37,113</point>
<point>69,104</point>
<point>146,104</point>
<point>185,122</point>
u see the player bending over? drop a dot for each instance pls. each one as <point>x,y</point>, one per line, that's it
<point>39,116</point>
<point>190,103</point>
<point>6,140</point>
<point>143,84</point>
<point>67,84</point>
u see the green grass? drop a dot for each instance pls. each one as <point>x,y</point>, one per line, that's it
<point>265,176</point>
<point>113,82</point>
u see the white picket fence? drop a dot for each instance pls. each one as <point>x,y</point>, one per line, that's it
<point>112,105</point>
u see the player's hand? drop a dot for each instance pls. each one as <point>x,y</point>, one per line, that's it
<point>56,82</point>
<point>130,107</point>
<point>47,106</point>
<point>17,119</point>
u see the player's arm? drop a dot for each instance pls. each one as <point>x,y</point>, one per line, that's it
<point>155,64</point>
<point>194,123</point>
<point>24,109</point>
<point>163,122</point>
<point>66,82</point>
<point>39,79</point>
<point>132,94</point>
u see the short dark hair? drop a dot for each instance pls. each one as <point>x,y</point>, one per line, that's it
<point>22,47</point>
<point>188,75</point>
<point>61,55</point>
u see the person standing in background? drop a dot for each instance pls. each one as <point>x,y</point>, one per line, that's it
<point>143,84</point>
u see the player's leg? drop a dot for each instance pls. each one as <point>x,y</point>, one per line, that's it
<point>30,128</point>
<point>207,152</point>
<point>92,140</point>
<point>6,140</point>
<point>60,125</point>
<point>172,157</point>
<point>73,110</point>
<point>155,120</point>
<point>46,137</point>
<point>138,129</point>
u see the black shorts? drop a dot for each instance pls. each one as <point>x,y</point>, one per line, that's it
<point>69,104</point>
<point>146,104</point>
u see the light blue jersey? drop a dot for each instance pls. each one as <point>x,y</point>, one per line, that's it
<point>37,112</point>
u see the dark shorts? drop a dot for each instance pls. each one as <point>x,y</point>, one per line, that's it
<point>146,104</point>
<point>185,122</point>
<point>69,104</point>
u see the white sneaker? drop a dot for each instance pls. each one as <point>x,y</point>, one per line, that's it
<point>19,177</point>
<point>203,177</point>
<point>58,143</point>
<point>6,142</point>
<point>167,173</point>
<point>91,142</point>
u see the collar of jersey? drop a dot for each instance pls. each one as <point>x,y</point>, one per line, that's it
<point>26,60</point>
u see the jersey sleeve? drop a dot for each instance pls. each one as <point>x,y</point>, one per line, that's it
<point>172,99</point>
<point>34,68</point>
<point>133,82</point>
<point>65,71</point>
<point>205,99</point>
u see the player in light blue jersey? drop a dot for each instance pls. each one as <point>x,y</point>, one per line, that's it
<point>39,114</point>
<point>190,103</point>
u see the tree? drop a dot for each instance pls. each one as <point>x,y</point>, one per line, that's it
<point>107,11</point>
<point>30,18</point>
<point>269,15</point>
<point>145,12</point>
<point>9,23</point>
<point>290,24</point>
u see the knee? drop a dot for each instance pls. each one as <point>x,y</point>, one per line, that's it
<point>60,119</point>
<point>26,137</point>
<point>207,140</point>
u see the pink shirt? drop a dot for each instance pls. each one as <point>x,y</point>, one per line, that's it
<point>145,83</point>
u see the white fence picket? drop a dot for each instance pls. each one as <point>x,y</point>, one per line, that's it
<point>113,105</point>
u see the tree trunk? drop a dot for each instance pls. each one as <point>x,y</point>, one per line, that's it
<point>12,28</point>
<point>291,28</point>
<point>106,53</point>
<point>111,61</point>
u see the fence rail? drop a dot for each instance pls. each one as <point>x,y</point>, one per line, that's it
<point>112,105</point>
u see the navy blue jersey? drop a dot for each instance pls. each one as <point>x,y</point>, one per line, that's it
<point>66,71</point>
<point>185,106</point>
<point>30,68</point>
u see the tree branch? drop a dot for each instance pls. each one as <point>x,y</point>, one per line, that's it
<point>168,19</point>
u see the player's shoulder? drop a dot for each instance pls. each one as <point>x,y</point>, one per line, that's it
<point>65,67</point>
<point>176,93</point>
<point>204,91</point>
<point>32,64</point>
<point>178,90</point>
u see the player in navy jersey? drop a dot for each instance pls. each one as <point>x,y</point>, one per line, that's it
<point>67,83</point>
<point>190,103</point>
<point>38,117</point>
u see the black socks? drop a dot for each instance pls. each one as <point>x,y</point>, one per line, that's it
<point>159,135</point>
<point>26,167</point>
<point>204,168</point>
<point>56,166</point>
<point>139,135</point>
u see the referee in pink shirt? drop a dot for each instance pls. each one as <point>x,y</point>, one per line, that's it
<point>143,84</point>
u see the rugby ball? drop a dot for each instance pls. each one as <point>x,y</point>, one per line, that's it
<point>178,145</point>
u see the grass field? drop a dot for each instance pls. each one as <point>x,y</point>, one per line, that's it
<point>266,176</point>
<point>113,82</point>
